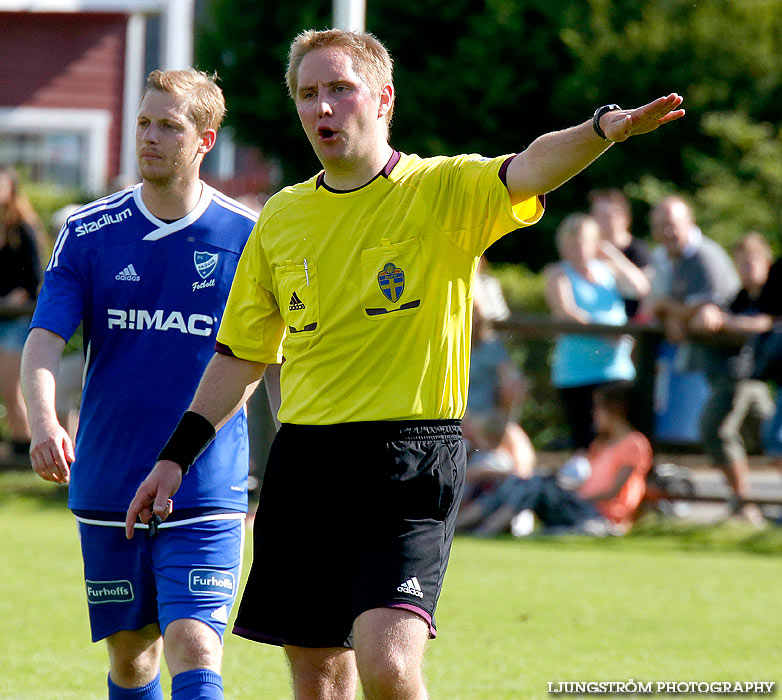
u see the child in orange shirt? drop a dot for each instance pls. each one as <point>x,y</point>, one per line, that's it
<point>620,458</point>
<point>605,502</point>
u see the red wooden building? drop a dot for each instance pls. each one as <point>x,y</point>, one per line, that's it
<point>71,82</point>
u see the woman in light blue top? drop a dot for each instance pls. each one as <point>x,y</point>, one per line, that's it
<point>585,287</point>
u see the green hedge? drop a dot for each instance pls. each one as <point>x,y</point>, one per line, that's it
<point>523,289</point>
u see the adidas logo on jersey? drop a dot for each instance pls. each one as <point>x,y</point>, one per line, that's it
<point>411,587</point>
<point>129,274</point>
<point>296,304</point>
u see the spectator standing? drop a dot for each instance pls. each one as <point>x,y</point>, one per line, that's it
<point>611,209</point>
<point>770,303</point>
<point>582,287</point>
<point>736,399</point>
<point>701,272</point>
<point>373,257</point>
<point>20,278</point>
<point>659,273</point>
<point>148,270</point>
<point>702,275</point>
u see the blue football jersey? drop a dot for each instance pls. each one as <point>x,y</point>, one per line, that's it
<point>150,295</point>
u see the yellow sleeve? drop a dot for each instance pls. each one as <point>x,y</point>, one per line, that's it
<point>477,210</point>
<point>252,327</point>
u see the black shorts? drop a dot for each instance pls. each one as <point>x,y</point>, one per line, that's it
<point>351,517</point>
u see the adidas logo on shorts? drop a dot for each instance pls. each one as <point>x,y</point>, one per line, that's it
<point>411,587</point>
<point>221,614</point>
<point>296,304</point>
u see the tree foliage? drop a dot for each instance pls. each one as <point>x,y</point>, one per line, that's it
<point>489,76</point>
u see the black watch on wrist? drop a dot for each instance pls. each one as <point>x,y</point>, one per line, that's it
<point>599,112</point>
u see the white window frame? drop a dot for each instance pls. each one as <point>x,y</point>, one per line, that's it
<point>94,124</point>
<point>176,51</point>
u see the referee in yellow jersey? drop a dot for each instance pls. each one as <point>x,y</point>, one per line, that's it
<point>361,279</point>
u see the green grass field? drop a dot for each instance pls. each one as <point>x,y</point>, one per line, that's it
<point>690,605</point>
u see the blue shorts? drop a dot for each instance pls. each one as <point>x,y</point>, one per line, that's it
<point>189,571</point>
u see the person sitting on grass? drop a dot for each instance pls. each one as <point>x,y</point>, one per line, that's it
<point>610,481</point>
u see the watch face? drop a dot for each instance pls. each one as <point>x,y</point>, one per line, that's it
<point>600,111</point>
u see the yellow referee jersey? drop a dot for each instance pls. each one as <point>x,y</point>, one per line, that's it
<point>367,294</point>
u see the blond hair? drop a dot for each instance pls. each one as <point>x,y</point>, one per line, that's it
<point>18,211</point>
<point>572,225</point>
<point>205,101</point>
<point>754,242</point>
<point>371,60</point>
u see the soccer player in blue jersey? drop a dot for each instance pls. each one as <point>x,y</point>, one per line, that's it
<point>362,278</point>
<point>147,271</point>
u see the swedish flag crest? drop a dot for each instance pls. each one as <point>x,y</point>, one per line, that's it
<point>392,281</point>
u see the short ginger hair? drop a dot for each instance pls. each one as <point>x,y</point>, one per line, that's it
<point>206,104</point>
<point>371,60</point>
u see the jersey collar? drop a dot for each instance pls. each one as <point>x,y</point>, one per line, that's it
<point>385,172</point>
<point>165,229</point>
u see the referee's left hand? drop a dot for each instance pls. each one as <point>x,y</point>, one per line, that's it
<point>154,495</point>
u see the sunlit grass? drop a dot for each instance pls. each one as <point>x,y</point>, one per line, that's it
<point>667,604</point>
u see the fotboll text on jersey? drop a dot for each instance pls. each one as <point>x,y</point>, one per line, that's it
<point>141,319</point>
<point>204,284</point>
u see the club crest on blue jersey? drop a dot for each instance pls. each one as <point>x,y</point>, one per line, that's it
<point>205,263</point>
<point>392,281</point>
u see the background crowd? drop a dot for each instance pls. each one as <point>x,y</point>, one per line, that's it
<point>716,308</point>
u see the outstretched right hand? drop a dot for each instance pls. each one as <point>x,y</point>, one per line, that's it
<point>154,494</point>
<point>621,124</point>
<point>51,454</point>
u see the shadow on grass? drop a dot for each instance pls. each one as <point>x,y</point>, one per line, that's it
<point>723,536</point>
<point>18,486</point>
<point>654,532</point>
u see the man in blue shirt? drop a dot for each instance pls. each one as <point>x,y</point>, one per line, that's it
<point>147,272</point>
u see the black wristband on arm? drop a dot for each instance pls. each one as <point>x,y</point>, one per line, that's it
<point>189,439</point>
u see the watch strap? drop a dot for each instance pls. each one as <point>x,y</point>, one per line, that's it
<point>599,112</point>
